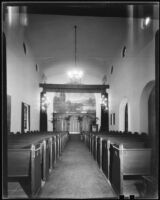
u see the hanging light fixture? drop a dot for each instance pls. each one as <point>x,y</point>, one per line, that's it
<point>75,74</point>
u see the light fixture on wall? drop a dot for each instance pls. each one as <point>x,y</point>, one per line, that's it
<point>104,102</point>
<point>75,75</point>
<point>145,22</point>
<point>44,102</point>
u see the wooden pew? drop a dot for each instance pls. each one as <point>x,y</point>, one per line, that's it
<point>87,138</point>
<point>128,160</point>
<point>98,153</point>
<point>105,158</point>
<point>94,145</point>
<point>25,163</point>
<point>28,139</point>
<point>104,148</point>
<point>60,139</point>
<point>49,149</point>
<point>101,147</point>
<point>53,148</point>
<point>59,142</point>
<point>56,143</point>
<point>112,137</point>
<point>94,137</point>
<point>64,139</point>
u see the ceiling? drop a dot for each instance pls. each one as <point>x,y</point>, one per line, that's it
<point>102,31</point>
<point>105,9</point>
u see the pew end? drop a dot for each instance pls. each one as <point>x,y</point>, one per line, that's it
<point>24,166</point>
<point>128,161</point>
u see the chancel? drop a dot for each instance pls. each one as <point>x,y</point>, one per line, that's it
<point>80,94</point>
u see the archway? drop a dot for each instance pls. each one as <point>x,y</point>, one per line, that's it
<point>144,125</point>
<point>152,128</point>
<point>148,121</point>
<point>152,113</point>
<point>124,115</point>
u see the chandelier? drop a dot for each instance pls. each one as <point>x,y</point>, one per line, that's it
<point>75,75</point>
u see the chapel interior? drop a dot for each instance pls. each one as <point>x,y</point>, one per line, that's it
<point>80,94</point>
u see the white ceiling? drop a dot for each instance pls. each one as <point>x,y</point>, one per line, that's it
<point>52,40</point>
<point>99,41</point>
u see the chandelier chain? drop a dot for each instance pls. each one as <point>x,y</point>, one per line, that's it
<point>75,44</point>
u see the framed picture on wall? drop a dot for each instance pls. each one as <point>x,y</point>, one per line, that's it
<point>25,117</point>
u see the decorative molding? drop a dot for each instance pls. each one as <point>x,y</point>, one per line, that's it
<point>78,88</point>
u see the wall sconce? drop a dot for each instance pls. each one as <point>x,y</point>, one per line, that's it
<point>104,102</point>
<point>44,102</point>
<point>145,22</point>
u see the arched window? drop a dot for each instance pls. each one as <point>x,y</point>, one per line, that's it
<point>126,118</point>
<point>124,115</point>
<point>144,124</point>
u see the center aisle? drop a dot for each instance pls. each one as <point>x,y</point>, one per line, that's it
<point>76,175</point>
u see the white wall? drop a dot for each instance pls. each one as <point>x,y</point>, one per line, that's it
<point>132,73</point>
<point>22,78</point>
<point>98,108</point>
<point>50,97</point>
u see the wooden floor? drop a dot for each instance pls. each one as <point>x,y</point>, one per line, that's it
<point>75,175</point>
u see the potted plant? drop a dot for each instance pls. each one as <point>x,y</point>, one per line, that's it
<point>94,127</point>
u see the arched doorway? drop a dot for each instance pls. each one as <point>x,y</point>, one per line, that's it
<point>124,115</point>
<point>148,121</point>
<point>152,129</point>
<point>151,113</point>
<point>144,122</point>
